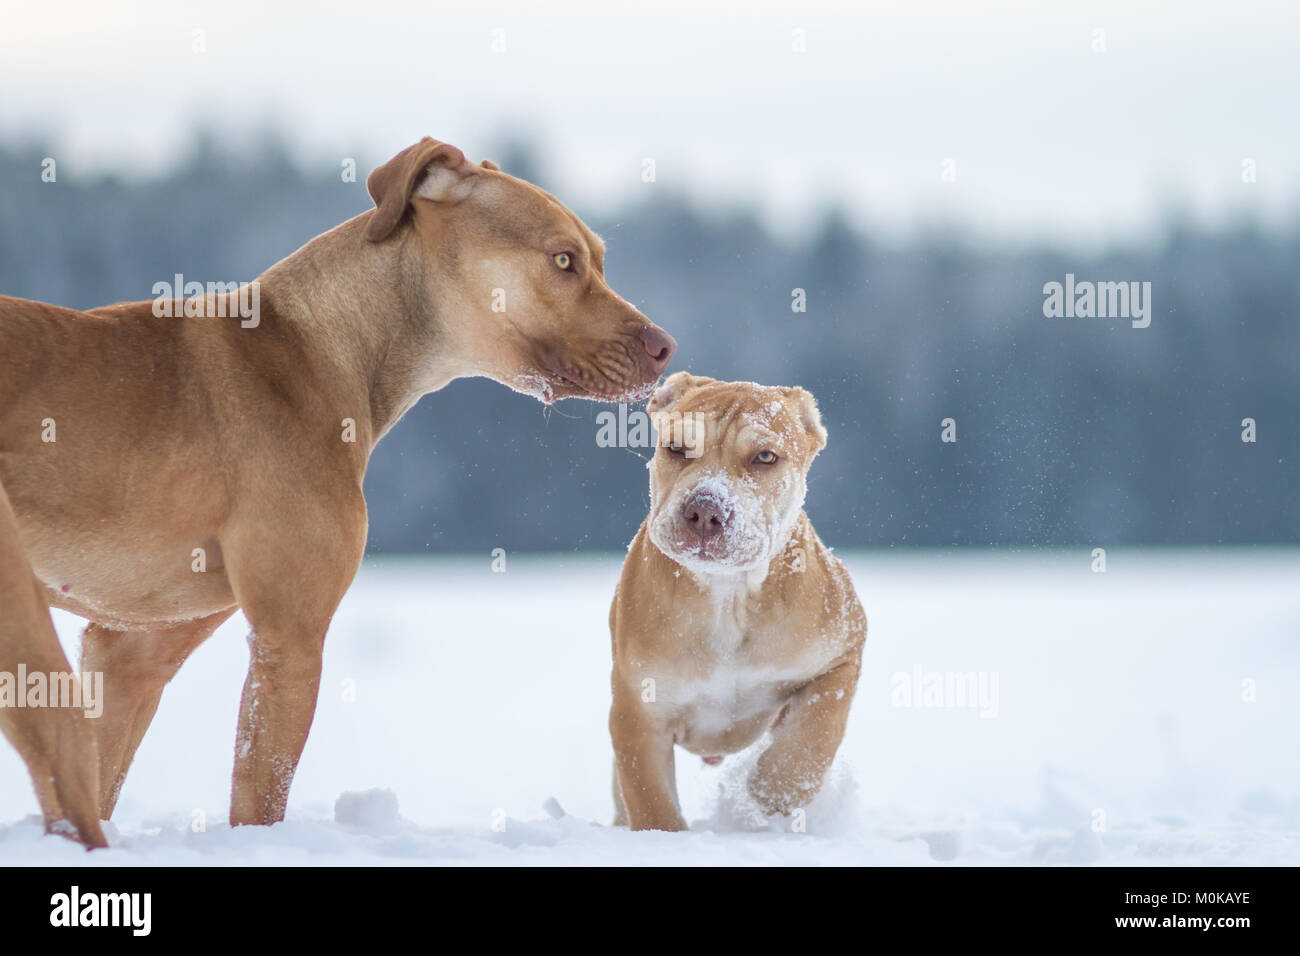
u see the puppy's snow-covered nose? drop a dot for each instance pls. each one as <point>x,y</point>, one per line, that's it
<point>705,515</point>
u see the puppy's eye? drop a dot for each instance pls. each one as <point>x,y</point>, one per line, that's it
<point>765,457</point>
<point>564,261</point>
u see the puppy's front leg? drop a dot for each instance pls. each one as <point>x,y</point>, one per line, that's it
<point>791,770</point>
<point>644,767</point>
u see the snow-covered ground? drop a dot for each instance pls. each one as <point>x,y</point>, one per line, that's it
<point>1146,715</point>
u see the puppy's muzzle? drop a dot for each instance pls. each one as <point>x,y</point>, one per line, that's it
<point>704,516</point>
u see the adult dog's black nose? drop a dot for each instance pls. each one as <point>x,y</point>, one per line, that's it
<point>705,515</point>
<point>659,345</point>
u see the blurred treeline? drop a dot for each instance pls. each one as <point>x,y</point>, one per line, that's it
<point>1070,431</point>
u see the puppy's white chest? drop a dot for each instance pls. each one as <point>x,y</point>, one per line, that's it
<point>726,636</point>
<point>725,627</point>
<point>730,696</point>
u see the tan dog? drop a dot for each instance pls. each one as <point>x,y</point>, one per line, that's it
<point>731,617</point>
<point>57,744</point>
<point>166,471</point>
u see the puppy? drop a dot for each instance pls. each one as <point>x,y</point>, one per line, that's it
<point>731,617</point>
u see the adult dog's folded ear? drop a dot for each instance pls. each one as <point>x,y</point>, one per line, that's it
<point>673,388</point>
<point>430,169</point>
<point>809,415</point>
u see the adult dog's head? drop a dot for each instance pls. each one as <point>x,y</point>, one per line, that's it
<point>519,278</point>
<point>728,477</point>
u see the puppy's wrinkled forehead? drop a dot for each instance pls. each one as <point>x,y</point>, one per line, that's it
<point>719,418</point>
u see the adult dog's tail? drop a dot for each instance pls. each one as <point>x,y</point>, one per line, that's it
<point>55,740</point>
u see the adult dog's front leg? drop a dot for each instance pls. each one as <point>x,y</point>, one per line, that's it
<point>289,571</point>
<point>275,716</point>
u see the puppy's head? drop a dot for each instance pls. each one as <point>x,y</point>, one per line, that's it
<point>728,477</point>
<point>519,278</point>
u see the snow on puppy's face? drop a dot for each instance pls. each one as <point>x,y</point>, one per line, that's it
<point>728,477</point>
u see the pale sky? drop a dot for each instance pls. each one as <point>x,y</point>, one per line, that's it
<point>1047,138</point>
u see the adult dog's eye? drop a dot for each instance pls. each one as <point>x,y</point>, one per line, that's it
<point>765,457</point>
<point>564,261</point>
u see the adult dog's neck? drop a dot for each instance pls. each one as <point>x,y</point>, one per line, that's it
<point>364,321</point>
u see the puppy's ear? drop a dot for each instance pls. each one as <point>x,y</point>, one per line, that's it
<point>671,391</point>
<point>431,169</point>
<point>809,416</point>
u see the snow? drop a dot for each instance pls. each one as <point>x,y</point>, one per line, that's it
<point>374,810</point>
<point>463,714</point>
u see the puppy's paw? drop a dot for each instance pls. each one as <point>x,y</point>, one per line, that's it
<point>779,796</point>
